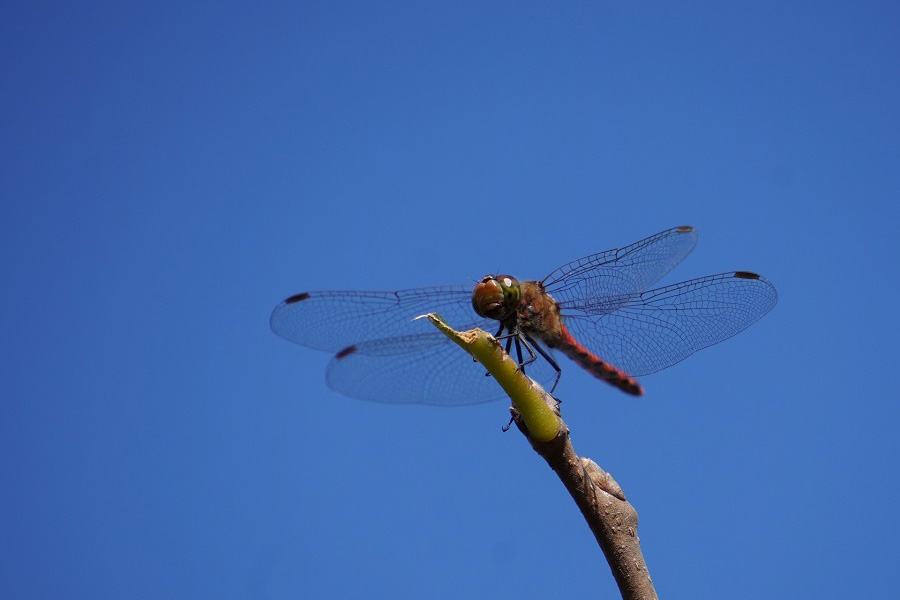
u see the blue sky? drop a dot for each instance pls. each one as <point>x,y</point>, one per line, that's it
<point>171,171</point>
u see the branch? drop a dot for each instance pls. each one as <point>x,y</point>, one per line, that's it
<point>610,516</point>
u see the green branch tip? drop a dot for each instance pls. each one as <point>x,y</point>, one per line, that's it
<point>536,406</point>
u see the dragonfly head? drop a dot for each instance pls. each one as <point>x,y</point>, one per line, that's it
<point>496,297</point>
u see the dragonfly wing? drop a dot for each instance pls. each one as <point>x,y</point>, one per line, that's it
<point>426,368</point>
<point>604,282</point>
<point>658,328</point>
<point>332,321</point>
<point>383,354</point>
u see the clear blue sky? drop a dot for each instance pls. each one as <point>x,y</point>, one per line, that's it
<point>170,171</point>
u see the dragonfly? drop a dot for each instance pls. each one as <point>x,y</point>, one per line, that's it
<point>599,311</point>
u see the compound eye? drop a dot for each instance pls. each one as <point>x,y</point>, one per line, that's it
<point>496,297</point>
<point>512,293</point>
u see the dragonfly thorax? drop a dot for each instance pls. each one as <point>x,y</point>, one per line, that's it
<point>496,297</point>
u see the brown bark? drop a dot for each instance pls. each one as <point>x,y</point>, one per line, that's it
<point>612,519</point>
<point>610,516</point>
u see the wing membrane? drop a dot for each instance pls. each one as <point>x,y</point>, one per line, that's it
<point>606,281</point>
<point>658,328</point>
<point>333,321</point>
<point>422,369</point>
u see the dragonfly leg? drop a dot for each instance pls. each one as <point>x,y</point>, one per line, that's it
<point>531,346</point>
<point>530,343</point>
<point>520,341</point>
<point>518,353</point>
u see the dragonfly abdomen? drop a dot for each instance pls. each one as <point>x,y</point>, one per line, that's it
<point>598,367</point>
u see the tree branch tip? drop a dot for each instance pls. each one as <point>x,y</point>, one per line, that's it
<point>536,406</point>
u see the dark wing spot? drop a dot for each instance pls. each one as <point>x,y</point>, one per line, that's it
<point>685,229</point>
<point>345,352</point>
<point>297,298</point>
<point>745,275</point>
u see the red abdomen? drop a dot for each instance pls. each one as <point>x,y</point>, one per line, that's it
<point>601,369</point>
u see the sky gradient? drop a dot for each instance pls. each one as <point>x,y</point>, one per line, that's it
<point>171,171</point>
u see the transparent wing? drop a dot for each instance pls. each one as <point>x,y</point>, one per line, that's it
<point>422,369</point>
<point>384,355</point>
<point>333,321</point>
<point>606,281</point>
<point>658,328</point>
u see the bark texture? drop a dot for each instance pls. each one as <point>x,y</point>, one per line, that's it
<point>611,518</point>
